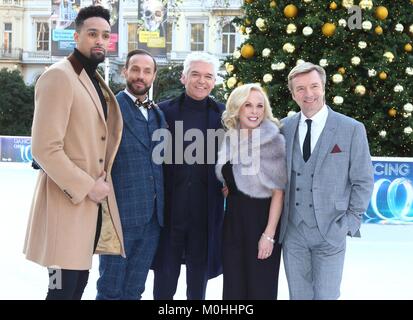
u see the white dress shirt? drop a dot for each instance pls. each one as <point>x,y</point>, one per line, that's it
<point>142,109</point>
<point>318,122</point>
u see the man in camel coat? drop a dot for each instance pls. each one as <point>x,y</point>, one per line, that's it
<point>77,128</point>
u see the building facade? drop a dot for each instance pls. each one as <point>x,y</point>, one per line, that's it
<point>191,25</point>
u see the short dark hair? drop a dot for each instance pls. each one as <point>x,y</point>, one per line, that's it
<point>139,52</point>
<point>90,12</point>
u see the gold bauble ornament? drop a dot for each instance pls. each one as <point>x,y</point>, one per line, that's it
<point>231,82</point>
<point>242,29</point>
<point>341,70</point>
<point>383,75</point>
<point>408,47</point>
<point>382,12</point>
<point>247,51</point>
<point>290,11</point>
<point>273,4</point>
<point>378,30</point>
<point>249,1</point>
<point>328,29</point>
<point>229,67</point>
<point>247,22</point>
<point>392,112</point>
<point>333,5</point>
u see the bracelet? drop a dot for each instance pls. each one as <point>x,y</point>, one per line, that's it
<point>268,238</point>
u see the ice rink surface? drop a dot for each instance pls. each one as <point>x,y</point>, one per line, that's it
<point>378,266</point>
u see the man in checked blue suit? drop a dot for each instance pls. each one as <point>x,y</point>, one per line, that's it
<point>138,184</point>
<point>330,181</point>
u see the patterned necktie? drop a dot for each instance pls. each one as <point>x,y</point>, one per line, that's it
<point>307,141</point>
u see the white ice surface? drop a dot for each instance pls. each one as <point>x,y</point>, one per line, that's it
<point>377,266</point>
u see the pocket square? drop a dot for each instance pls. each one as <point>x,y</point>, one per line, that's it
<point>336,149</point>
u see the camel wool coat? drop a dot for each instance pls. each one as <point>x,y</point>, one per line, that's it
<point>73,145</point>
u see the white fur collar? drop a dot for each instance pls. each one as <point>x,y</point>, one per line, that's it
<point>258,160</point>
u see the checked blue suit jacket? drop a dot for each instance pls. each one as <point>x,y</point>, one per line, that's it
<point>137,180</point>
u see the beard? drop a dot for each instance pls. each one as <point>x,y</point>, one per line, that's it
<point>137,92</point>
<point>97,57</point>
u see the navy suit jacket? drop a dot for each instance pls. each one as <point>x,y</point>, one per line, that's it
<point>172,110</point>
<point>137,180</point>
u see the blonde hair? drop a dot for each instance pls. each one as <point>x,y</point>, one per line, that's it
<point>230,117</point>
<point>306,67</point>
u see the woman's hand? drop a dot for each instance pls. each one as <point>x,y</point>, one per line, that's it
<point>224,191</point>
<point>265,247</point>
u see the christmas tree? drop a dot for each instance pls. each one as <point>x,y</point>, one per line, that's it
<point>366,52</point>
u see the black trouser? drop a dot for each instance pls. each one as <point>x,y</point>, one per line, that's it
<point>166,276</point>
<point>67,284</point>
<point>245,277</point>
<point>189,239</point>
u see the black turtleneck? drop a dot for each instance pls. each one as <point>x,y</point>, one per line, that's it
<point>90,67</point>
<point>194,116</point>
<point>195,105</point>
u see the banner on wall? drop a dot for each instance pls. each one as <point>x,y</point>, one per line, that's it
<point>113,7</point>
<point>152,24</point>
<point>15,149</point>
<point>392,198</point>
<point>64,13</point>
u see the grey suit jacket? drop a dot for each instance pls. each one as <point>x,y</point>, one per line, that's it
<point>343,177</point>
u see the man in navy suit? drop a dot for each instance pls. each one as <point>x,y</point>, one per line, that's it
<point>138,184</point>
<point>193,199</point>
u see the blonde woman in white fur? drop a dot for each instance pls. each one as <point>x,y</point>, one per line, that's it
<point>251,164</point>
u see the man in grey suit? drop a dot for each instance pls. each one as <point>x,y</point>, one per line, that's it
<point>330,181</point>
<point>138,184</point>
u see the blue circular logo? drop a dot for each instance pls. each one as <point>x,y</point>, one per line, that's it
<point>392,200</point>
<point>26,153</point>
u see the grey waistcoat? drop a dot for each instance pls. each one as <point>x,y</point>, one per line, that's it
<point>302,207</point>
